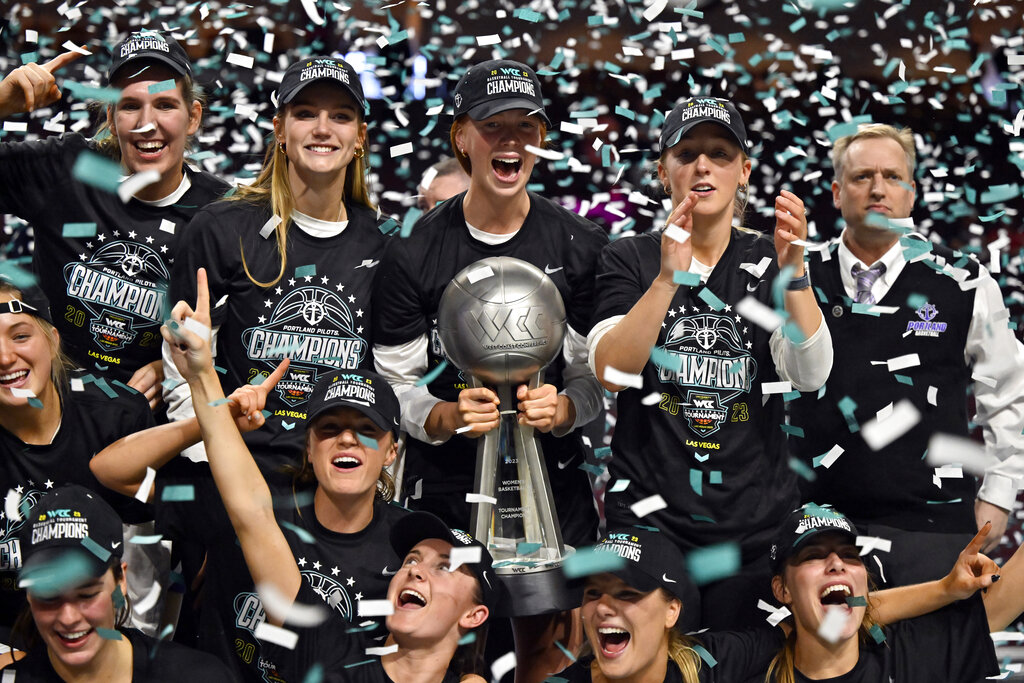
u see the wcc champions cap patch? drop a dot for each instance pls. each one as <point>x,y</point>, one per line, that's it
<point>804,524</point>
<point>365,391</point>
<point>697,110</point>
<point>149,45</point>
<point>499,85</point>
<point>305,72</point>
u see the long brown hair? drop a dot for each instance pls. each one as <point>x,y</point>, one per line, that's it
<point>273,189</point>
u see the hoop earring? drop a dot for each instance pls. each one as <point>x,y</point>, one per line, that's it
<point>281,146</point>
<point>359,153</point>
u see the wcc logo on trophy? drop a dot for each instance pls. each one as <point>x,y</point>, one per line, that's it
<point>502,321</point>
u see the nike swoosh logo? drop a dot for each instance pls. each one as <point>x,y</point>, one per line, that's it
<point>665,578</point>
<point>549,270</point>
<point>386,572</point>
<point>751,288</point>
<point>368,263</point>
<point>114,545</point>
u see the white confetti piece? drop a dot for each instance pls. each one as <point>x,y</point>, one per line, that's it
<point>682,54</point>
<point>289,611</point>
<point>879,433</point>
<point>480,498</point>
<point>277,635</point>
<point>1014,59</point>
<point>502,665</point>
<point>268,43</point>
<point>651,398</point>
<point>474,276</point>
<point>197,328</point>
<point>775,616</point>
<point>71,47</point>
<point>375,608</point>
<point>769,388</point>
<point>146,486</point>
<point>949,472</point>
<point>757,269</point>
<point>77,384</point>
<point>460,556</point>
<point>167,226</point>
<point>15,127</point>
<point>401,150</point>
<point>463,430</point>
<point>933,396</point>
<point>135,182</point>
<point>12,501</point>
<point>148,602</point>
<point>144,129</point>
<point>910,360</point>
<point>676,233</point>
<point>644,507</point>
<point>946,449</point>
<point>243,61</point>
<point>428,178</point>
<point>623,379</point>
<point>31,36</point>
<point>869,544</point>
<point>382,650</point>
<point>832,625</point>
<point>832,455</point>
<point>756,312</point>
<point>22,393</point>
<point>492,39</point>
<point>550,154</point>
<point>268,228</point>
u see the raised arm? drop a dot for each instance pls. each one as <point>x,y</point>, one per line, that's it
<point>627,346</point>
<point>245,493</point>
<point>32,86</point>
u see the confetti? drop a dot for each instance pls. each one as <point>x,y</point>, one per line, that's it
<point>460,556</point>
<point>623,379</point>
<point>243,61</point>
<point>879,433</point>
<point>146,487</point>
<point>481,498</point>
<point>181,493</point>
<point>133,184</point>
<point>587,561</point>
<point>277,635</point>
<point>375,608</point>
<point>644,507</point>
<point>713,562</point>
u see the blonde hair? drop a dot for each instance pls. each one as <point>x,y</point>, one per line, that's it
<point>903,136</point>
<point>463,160</point>
<point>739,200</point>
<point>272,188</point>
<point>60,363</point>
<point>108,144</point>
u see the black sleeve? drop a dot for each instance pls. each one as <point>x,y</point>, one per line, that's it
<point>398,315</point>
<point>620,282</point>
<point>210,243</point>
<point>950,644</point>
<point>589,243</point>
<point>34,174</point>
<point>740,655</point>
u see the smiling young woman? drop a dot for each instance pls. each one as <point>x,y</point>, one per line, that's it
<point>677,291</point>
<point>126,246</point>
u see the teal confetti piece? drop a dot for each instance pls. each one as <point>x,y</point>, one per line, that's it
<point>79,230</point>
<point>705,655</point>
<point>944,502</point>
<point>847,406</point>
<point>89,92</point>
<point>865,309</point>
<point>665,359</point>
<point>266,414</point>
<point>387,226</point>
<point>708,297</point>
<point>97,171</point>
<point>903,379</point>
<point>219,402</point>
<point>736,38</point>
<point>181,493</point>
<point>571,656</point>
<point>916,301</point>
<point>303,535</point>
<point>367,441</point>
<point>702,518</point>
<point>603,452</point>
<point>162,86</point>
<point>877,634</point>
<point>524,548</point>
<point>686,278</point>
<point>841,130</point>
<point>432,375</point>
<point>96,549</point>
<point>306,271</point>
<point>468,638</point>
<point>857,601</point>
<point>108,633</point>
<point>35,403</point>
<point>117,597</point>
<point>713,562</point>
<point>170,384</point>
<point>410,218</point>
<point>802,470</point>
<point>587,561</point>
<point>621,485</point>
<point>596,470</point>
<point>696,481</point>
<point>167,630</point>
<point>793,430</point>
<point>50,579</point>
<point>991,217</point>
<point>146,540</point>
<point>715,477</point>
<point>352,666</point>
<point>315,673</point>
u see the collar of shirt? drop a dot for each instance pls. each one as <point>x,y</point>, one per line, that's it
<point>173,197</point>
<point>893,260</point>
<point>314,227</point>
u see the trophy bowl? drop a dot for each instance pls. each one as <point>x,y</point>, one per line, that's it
<point>501,319</point>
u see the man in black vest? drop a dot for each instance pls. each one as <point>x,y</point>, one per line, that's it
<point>914,326</point>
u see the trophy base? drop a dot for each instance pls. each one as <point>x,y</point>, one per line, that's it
<point>538,590</point>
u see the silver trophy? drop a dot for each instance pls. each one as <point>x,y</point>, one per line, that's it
<point>502,321</point>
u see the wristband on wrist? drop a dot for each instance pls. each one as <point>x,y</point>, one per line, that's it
<point>798,283</point>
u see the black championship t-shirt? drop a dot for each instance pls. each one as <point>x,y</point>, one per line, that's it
<point>337,648</point>
<point>108,287</point>
<point>413,275</point>
<point>712,444</point>
<point>727,657</point>
<point>317,314</point>
<point>950,645</point>
<point>93,418</point>
<point>153,661</point>
<point>340,569</point>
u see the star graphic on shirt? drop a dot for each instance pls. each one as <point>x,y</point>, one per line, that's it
<point>48,484</point>
<point>359,596</point>
<point>302,562</point>
<point>696,309</point>
<point>131,234</point>
<point>359,313</point>
<point>745,329</point>
<point>352,299</point>
<point>117,233</point>
<point>728,308</point>
<point>101,237</point>
<point>268,303</point>
<point>308,278</point>
<point>350,581</point>
<point>334,571</point>
<point>324,280</point>
<point>291,282</point>
<point>163,248</point>
<point>262,319</point>
<point>316,565</point>
<point>671,313</point>
<point>149,240</point>
<point>20,489</point>
<point>359,330</point>
<point>82,256</point>
<point>340,287</point>
<point>749,345</point>
<point>278,290</point>
<point>739,319</point>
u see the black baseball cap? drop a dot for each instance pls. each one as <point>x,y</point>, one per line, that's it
<point>315,69</point>
<point>804,524</point>
<point>497,85</point>
<point>71,535</point>
<point>149,45</point>
<point>33,301</point>
<point>366,391</point>
<point>696,110</point>
<point>420,526</point>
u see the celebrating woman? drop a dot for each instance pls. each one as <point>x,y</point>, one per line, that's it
<point>104,260</point>
<point>681,335</point>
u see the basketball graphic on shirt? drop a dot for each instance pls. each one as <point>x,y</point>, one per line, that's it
<point>10,547</point>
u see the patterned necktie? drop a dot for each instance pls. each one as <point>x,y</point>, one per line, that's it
<point>865,279</point>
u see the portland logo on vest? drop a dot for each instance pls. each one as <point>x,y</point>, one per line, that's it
<point>926,326</point>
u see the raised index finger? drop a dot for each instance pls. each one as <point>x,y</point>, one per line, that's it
<point>273,378</point>
<point>978,542</point>
<point>61,60</point>
<point>202,294</point>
